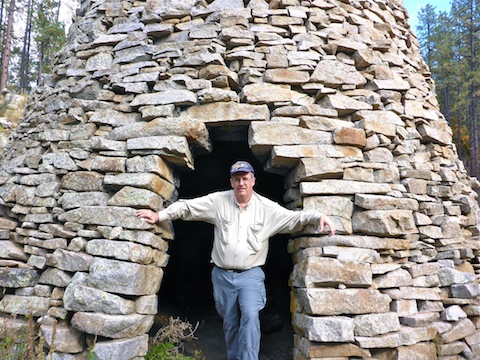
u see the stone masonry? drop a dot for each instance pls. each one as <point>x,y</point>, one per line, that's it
<point>335,97</point>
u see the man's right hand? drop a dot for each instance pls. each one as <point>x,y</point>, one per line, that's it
<point>150,216</point>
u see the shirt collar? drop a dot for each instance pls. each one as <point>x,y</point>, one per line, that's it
<point>248,204</point>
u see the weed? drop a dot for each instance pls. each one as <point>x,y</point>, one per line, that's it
<point>9,350</point>
<point>90,351</point>
<point>167,344</point>
<point>24,344</point>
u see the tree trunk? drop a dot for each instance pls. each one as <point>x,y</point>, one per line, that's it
<point>41,53</point>
<point>2,6</point>
<point>7,46</point>
<point>473,97</point>
<point>25,59</point>
<point>2,28</point>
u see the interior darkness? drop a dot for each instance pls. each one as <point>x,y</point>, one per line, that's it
<point>186,290</point>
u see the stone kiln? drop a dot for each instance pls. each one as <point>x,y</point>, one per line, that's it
<point>331,94</point>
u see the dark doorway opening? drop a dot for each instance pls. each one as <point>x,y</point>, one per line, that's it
<point>186,291</point>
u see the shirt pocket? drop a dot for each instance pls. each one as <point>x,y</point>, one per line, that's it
<point>225,229</point>
<point>255,238</point>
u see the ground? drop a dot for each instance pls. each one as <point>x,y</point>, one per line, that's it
<point>276,345</point>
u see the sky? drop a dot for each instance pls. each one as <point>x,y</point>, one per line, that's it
<point>414,6</point>
<point>67,7</point>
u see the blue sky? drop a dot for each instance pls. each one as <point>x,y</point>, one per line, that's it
<point>414,6</point>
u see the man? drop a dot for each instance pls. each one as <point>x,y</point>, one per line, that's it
<point>243,222</point>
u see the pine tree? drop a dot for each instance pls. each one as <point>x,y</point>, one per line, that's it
<point>426,30</point>
<point>7,46</point>
<point>49,34</point>
<point>465,16</point>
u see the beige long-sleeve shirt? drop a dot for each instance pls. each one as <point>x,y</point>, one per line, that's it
<point>240,235</point>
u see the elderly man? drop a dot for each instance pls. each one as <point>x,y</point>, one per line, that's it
<point>243,222</point>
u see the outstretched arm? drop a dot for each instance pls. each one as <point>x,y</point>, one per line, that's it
<point>200,209</point>
<point>150,216</point>
<point>325,220</point>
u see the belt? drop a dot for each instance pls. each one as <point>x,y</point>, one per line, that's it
<point>233,270</point>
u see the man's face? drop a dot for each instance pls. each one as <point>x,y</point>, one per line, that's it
<point>242,184</point>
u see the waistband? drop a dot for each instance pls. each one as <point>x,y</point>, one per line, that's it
<point>233,270</point>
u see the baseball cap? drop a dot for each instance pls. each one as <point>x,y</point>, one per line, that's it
<point>241,166</point>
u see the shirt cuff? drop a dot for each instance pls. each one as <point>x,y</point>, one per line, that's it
<point>162,216</point>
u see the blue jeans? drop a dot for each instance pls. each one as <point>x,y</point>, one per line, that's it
<point>239,297</point>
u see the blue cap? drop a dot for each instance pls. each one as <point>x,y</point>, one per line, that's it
<point>241,166</point>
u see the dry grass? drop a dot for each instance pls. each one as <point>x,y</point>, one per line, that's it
<point>12,107</point>
<point>28,346</point>
<point>175,333</point>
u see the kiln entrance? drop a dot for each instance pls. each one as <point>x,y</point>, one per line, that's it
<point>186,291</point>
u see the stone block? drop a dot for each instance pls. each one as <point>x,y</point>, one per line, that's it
<point>25,305</point>
<point>121,349</point>
<point>112,326</point>
<point>465,291</point>
<point>379,202</point>
<point>420,319</point>
<point>105,215</point>
<point>334,73</point>
<point>83,181</point>
<point>147,305</point>
<point>136,198</point>
<point>319,350</point>
<point>56,277</point>
<point>264,135</point>
<point>325,329</point>
<point>424,351</point>
<point>348,301</point>
<point>104,164</point>
<point>174,96</point>
<point>455,348</point>
<point>121,277</point>
<point>417,335</point>
<point>453,313</point>
<point>18,278</point>
<point>121,250</point>
<point>73,200</point>
<point>265,93</point>
<point>79,297</point>
<point>353,255</point>
<point>313,169</point>
<point>338,187</point>
<point>384,222</point>
<point>70,260</point>
<point>173,148</point>
<point>460,330</point>
<point>344,105</point>
<point>449,276</point>
<point>63,338</point>
<point>11,250</point>
<point>286,76</point>
<point>315,271</point>
<point>395,278</point>
<point>376,324</point>
<point>391,340</point>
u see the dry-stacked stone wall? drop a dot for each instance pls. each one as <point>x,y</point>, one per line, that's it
<point>335,97</point>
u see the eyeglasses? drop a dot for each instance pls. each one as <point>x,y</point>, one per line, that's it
<point>239,179</point>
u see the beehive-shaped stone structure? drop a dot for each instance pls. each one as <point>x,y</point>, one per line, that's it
<point>333,95</point>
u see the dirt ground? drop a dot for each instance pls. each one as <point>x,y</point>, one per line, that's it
<point>276,342</point>
<point>276,345</point>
